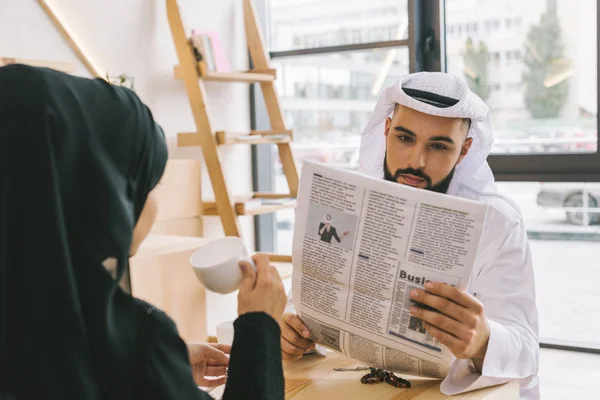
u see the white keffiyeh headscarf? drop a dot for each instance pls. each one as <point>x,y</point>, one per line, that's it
<point>473,177</point>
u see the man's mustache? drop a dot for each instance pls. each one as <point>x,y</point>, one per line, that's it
<point>415,172</point>
<point>440,187</point>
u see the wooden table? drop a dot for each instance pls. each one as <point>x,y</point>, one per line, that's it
<point>313,378</point>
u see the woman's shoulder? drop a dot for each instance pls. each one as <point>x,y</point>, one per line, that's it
<point>152,314</point>
<point>153,323</point>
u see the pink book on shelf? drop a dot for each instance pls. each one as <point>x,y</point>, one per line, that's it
<point>221,61</point>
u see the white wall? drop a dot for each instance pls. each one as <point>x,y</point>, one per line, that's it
<point>133,37</point>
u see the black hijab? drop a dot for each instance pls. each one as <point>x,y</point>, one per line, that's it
<point>78,158</point>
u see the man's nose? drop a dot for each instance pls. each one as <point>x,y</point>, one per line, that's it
<point>417,158</point>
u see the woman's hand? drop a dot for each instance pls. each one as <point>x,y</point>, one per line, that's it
<point>261,291</point>
<point>209,360</point>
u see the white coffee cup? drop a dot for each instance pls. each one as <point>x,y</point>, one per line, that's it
<point>216,264</point>
<point>225,333</point>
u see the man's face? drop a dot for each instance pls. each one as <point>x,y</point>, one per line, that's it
<point>423,150</point>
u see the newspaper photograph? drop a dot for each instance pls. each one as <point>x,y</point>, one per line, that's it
<point>360,246</point>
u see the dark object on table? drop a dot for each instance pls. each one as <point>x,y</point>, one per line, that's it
<point>379,375</point>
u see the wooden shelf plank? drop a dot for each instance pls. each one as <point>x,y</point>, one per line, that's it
<point>243,77</point>
<point>187,139</point>
<point>275,132</point>
<point>281,258</point>
<point>247,206</point>
<point>210,206</point>
<point>243,209</point>
<point>256,141</point>
<point>269,195</point>
<point>236,76</point>
<point>270,71</point>
<point>225,138</point>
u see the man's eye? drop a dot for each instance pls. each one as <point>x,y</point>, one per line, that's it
<point>405,138</point>
<point>437,146</point>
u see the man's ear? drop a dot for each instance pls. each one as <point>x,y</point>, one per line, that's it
<point>388,124</point>
<point>464,150</point>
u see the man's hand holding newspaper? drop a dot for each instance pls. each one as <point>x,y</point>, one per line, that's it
<point>460,322</point>
<point>295,337</point>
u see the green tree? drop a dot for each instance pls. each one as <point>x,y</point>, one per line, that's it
<point>476,63</point>
<point>544,78</point>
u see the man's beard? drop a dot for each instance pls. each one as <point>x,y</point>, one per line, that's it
<point>440,187</point>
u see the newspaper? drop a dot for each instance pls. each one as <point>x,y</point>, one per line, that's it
<point>360,246</point>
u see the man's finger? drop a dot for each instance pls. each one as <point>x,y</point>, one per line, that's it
<point>225,348</point>
<point>293,337</point>
<point>443,305</point>
<point>442,322</point>
<point>210,383</point>
<point>216,371</point>
<point>216,356</point>
<point>248,277</point>
<point>290,348</point>
<point>296,323</point>
<point>456,295</point>
<point>443,337</point>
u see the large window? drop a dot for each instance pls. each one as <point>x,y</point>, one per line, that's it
<point>534,63</point>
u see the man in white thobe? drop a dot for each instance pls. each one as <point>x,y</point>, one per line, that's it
<point>430,131</point>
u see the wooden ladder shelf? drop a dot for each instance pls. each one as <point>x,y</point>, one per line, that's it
<point>194,74</point>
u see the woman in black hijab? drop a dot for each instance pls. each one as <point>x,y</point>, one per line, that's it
<point>78,160</point>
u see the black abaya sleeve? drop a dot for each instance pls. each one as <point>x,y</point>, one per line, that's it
<point>255,371</point>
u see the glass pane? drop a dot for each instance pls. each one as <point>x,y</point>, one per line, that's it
<point>301,24</point>
<point>563,223</point>
<point>534,63</point>
<point>327,100</point>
